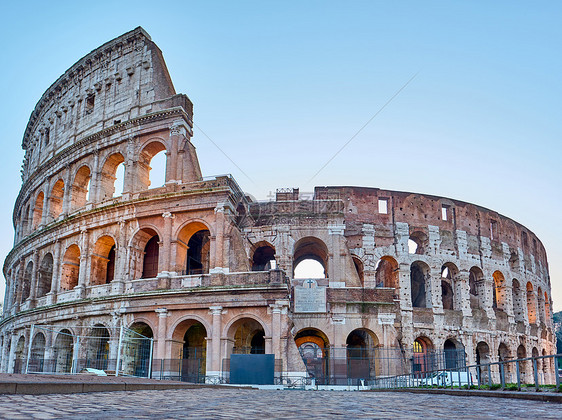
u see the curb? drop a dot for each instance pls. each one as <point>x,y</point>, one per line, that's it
<point>533,396</point>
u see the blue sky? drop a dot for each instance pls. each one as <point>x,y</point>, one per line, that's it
<point>281,86</point>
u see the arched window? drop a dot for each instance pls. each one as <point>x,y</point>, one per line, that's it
<point>103,261</point>
<point>500,299</point>
<point>418,242</point>
<point>38,209</point>
<point>423,360</point>
<point>151,255</point>
<point>531,304</point>
<point>358,264</point>
<point>264,258</point>
<point>454,354</point>
<point>313,347</point>
<point>386,272</point>
<point>81,188</point>
<point>63,351</point>
<point>540,299</point>
<point>248,335</point>
<point>476,288</point>
<point>45,275</point>
<point>420,282</point>
<point>37,355</point>
<point>26,285</point>
<point>152,166</point>
<point>70,268</point>
<point>97,347</point>
<point>56,199</point>
<point>109,177</point>
<point>310,259</point>
<point>198,253</point>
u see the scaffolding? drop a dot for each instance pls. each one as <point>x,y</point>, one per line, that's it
<point>69,350</point>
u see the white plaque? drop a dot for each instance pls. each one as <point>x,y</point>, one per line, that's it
<point>310,298</point>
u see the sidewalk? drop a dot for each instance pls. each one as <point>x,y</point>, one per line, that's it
<point>34,384</point>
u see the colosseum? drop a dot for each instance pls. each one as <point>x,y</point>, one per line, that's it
<point>199,273</point>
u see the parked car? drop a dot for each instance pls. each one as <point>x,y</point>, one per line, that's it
<point>447,378</point>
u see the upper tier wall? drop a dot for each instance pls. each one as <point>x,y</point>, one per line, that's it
<point>120,80</point>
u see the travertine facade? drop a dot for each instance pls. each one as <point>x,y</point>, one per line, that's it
<point>191,263</point>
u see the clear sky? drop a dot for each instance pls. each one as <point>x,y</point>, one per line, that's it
<point>281,86</point>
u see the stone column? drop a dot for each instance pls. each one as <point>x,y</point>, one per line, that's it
<point>95,180</point>
<point>12,354</point>
<point>67,199</point>
<point>336,267</point>
<point>166,242</point>
<point>218,260</point>
<point>405,286</point>
<point>276,329</point>
<point>33,285</point>
<point>216,311</point>
<point>46,205</point>
<point>161,333</point>
<point>435,290</point>
<point>121,254</point>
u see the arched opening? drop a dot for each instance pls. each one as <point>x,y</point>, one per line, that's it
<point>447,295</point>
<point>310,259</point>
<point>26,285</point>
<point>419,285</point>
<point>70,268</point>
<point>103,261</point>
<point>453,351</point>
<point>152,166</point>
<point>191,337</point>
<point>198,253</point>
<point>81,188</point>
<point>482,358</point>
<point>139,349</point>
<point>361,354</point>
<point>109,176</point>
<point>249,337</point>
<point>26,219</point>
<point>38,209</point>
<point>499,298</point>
<point>523,366</point>
<point>45,275</point>
<point>151,256</point>
<point>358,264</point>
<point>56,199</point>
<point>63,351</point>
<point>386,272</point>
<point>37,355</point>
<point>264,258</point>
<point>19,356</point>
<point>313,347</point>
<point>423,356</point>
<point>97,348</point>
<point>540,296</point>
<point>518,301</point>
<point>503,356</point>
<point>476,288</point>
<point>418,242</point>
<point>547,309</point>
<point>531,304</point>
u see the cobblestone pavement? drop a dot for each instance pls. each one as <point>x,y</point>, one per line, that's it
<point>260,404</point>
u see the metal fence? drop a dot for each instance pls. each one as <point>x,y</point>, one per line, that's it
<point>116,351</point>
<point>537,373</point>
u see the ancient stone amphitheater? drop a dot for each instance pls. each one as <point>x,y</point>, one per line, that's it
<point>407,281</point>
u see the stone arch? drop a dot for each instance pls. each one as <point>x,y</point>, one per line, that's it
<point>96,348</point>
<point>523,365</point>
<point>102,269</point>
<point>81,187</point>
<point>19,356</point>
<point>108,175</point>
<point>547,308</point>
<point>420,284</point>
<point>540,304</point>
<point>37,353</point>
<point>190,345</point>
<point>147,153</point>
<point>503,356</point>
<point>386,272</point>
<point>26,220</point>
<point>423,355</point>
<point>56,199</point>
<point>418,242</point>
<point>531,304</point>
<point>519,301</point>
<point>362,361</point>
<point>262,256</point>
<point>359,268</point>
<point>145,254</point>
<point>453,351</point>
<point>38,209</point>
<point>26,283</point>
<point>45,275</point>
<point>248,335</point>
<point>450,286</point>
<point>138,355</point>
<point>482,358</point>
<point>70,268</point>
<point>63,351</point>
<point>193,252</point>
<point>499,291</point>
<point>477,288</point>
<point>308,249</point>
<point>313,345</point>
